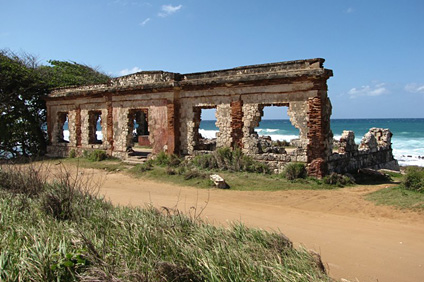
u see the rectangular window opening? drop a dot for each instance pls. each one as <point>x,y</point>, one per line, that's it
<point>95,127</point>
<point>276,132</point>
<point>63,128</point>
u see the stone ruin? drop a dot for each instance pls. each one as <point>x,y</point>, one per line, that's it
<point>167,110</point>
<point>374,151</point>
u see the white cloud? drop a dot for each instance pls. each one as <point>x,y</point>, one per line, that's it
<point>129,71</point>
<point>368,90</point>
<point>350,10</point>
<point>415,88</point>
<point>143,23</point>
<point>167,10</point>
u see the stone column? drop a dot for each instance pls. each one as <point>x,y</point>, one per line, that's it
<point>78,126</point>
<point>319,131</point>
<point>237,124</point>
<point>223,122</point>
<point>109,122</point>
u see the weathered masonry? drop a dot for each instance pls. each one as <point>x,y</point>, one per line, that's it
<point>166,108</point>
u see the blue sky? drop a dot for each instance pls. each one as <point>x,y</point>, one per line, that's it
<point>375,48</point>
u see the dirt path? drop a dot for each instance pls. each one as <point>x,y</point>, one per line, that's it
<point>357,240</point>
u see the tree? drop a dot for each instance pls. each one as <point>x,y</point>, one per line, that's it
<point>23,85</point>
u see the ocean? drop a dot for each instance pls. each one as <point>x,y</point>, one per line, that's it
<point>407,140</point>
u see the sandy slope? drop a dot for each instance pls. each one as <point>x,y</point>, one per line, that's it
<point>357,240</point>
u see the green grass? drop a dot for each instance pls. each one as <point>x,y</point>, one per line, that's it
<point>243,181</point>
<point>398,197</point>
<point>100,242</point>
<point>110,164</point>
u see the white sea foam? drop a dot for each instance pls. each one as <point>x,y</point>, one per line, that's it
<point>282,137</point>
<point>209,134</point>
<point>408,152</point>
<point>66,135</point>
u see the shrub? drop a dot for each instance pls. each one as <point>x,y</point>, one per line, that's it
<point>148,165</point>
<point>72,153</point>
<point>161,159</point>
<point>414,179</point>
<point>294,171</point>
<point>338,179</point>
<point>22,180</point>
<point>69,197</point>
<point>207,161</point>
<point>232,160</point>
<point>95,155</point>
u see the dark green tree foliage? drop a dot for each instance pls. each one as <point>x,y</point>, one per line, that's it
<point>63,74</point>
<point>23,85</point>
<point>22,108</point>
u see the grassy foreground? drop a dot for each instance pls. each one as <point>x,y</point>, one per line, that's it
<point>60,231</point>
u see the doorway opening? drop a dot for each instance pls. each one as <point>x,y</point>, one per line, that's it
<point>63,129</point>
<point>138,142</point>
<point>205,130</point>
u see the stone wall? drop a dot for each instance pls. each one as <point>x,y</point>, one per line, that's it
<point>173,103</point>
<point>374,151</point>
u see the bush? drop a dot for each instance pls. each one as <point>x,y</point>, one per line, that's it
<point>161,159</point>
<point>232,160</point>
<point>22,180</point>
<point>69,196</point>
<point>72,153</point>
<point>413,179</point>
<point>148,165</point>
<point>338,179</point>
<point>95,156</point>
<point>294,171</point>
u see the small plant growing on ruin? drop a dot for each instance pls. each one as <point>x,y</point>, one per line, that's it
<point>294,171</point>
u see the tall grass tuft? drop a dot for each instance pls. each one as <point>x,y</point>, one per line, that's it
<point>106,243</point>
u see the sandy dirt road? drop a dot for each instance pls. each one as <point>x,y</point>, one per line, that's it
<point>357,240</point>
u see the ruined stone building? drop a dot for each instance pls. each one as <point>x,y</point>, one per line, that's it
<point>167,108</point>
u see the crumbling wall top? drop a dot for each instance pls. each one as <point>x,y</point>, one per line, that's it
<point>155,80</point>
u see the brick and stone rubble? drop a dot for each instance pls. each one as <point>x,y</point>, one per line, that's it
<point>374,151</point>
<point>173,103</point>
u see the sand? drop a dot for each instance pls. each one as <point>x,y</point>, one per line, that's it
<point>357,240</point>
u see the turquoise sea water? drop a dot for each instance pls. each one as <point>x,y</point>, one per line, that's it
<point>407,140</point>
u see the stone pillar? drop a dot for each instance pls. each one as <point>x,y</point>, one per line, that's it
<point>109,122</point>
<point>237,124</point>
<point>172,113</point>
<point>78,126</point>
<point>316,150</point>
<point>223,123</point>
<point>252,114</point>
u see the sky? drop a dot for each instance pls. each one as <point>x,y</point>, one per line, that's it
<point>374,47</point>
